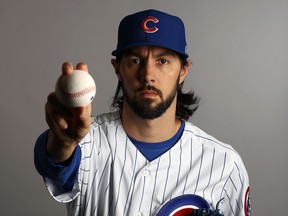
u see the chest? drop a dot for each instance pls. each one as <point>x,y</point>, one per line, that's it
<point>187,168</point>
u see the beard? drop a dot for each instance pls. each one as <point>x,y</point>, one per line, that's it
<point>143,107</point>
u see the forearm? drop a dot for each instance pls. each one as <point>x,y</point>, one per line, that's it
<point>63,174</point>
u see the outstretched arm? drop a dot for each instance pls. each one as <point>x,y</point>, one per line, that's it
<point>68,126</point>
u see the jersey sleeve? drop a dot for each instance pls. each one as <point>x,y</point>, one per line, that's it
<point>236,191</point>
<point>60,177</point>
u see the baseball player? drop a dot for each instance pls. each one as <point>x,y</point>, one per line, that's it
<point>145,157</point>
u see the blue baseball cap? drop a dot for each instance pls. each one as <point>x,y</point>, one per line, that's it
<point>152,28</point>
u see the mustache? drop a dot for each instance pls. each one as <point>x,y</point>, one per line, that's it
<point>148,88</point>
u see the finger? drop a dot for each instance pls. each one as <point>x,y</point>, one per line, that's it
<point>58,107</point>
<point>82,66</point>
<point>55,121</point>
<point>86,116</point>
<point>60,121</point>
<point>85,112</point>
<point>67,68</point>
<point>53,118</point>
<point>82,116</point>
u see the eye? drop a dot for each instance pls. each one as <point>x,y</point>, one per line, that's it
<point>134,61</point>
<point>162,61</point>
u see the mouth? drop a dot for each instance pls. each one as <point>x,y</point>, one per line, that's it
<point>150,95</point>
<point>149,92</point>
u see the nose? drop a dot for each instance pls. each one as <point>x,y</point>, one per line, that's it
<point>147,73</point>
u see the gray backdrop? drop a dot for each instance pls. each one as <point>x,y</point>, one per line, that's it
<point>240,54</point>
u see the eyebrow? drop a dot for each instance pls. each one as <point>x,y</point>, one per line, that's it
<point>164,52</point>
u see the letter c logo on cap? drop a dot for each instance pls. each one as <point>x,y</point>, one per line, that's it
<point>147,29</point>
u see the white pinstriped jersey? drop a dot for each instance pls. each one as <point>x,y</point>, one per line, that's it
<point>116,179</point>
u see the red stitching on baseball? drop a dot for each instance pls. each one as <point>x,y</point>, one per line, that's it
<point>80,93</point>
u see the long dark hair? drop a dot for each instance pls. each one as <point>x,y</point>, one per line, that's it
<point>187,103</point>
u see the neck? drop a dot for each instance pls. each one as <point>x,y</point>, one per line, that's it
<point>150,130</point>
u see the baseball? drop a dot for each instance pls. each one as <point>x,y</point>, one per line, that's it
<point>75,90</point>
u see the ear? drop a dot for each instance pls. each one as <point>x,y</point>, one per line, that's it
<point>184,71</point>
<point>116,68</point>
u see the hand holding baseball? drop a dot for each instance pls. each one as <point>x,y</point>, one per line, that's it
<point>75,89</point>
<point>68,125</point>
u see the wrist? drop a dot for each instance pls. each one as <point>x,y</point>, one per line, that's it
<point>59,151</point>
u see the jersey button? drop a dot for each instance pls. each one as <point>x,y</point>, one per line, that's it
<point>146,173</point>
<point>138,214</point>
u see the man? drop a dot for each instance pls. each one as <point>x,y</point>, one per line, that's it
<point>145,158</point>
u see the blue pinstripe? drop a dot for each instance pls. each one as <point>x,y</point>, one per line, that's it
<point>131,182</point>
<point>199,172</point>
<point>211,170</point>
<point>121,176</point>
<point>190,168</point>
<point>155,179</point>
<point>166,179</point>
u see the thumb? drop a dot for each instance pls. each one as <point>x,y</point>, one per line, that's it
<point>84,114</point>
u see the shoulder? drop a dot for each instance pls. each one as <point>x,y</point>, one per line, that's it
<point>208,141</point>
<point>205,138</point>
<point>106,119</point>
<point>224,153</point>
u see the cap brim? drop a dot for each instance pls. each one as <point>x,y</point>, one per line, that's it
<point>118,51</point>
